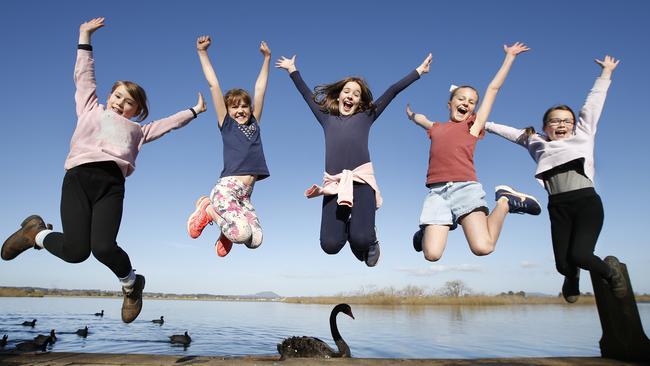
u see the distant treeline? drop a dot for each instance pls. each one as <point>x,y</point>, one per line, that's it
<point>40,292</point>
<point>453,293</point>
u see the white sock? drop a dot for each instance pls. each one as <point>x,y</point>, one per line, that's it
<point>129,280</point>
<point>40,237</point>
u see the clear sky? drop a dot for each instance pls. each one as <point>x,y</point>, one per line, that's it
<point>153,43</point>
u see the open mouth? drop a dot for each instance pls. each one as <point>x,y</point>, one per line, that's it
<point>561,133</point>
<point>117,110</point>
<point>347,105</point>
<point>462,111</point>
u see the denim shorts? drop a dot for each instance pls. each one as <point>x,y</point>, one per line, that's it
<point>446,203</point>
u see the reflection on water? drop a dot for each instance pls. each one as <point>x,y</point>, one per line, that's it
<point>253,328</point>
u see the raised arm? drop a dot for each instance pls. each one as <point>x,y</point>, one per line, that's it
<point>156,129</point>
<point>384,100</point>
<point>419,119</point>
<point>289,64</point>
<point>202,44</point>
<point>84,69</point>
<point>496,83</point>
<point>593,107</point>
<point>262,81</point>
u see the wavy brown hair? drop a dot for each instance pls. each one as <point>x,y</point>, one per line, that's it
<point>137,93</point>
<point>234,96</point>
<point>326,96</point>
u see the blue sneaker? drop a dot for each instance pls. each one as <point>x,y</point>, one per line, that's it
<point>417,240</point>
<point>518,202</point>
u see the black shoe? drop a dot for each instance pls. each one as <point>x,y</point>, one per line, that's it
<point>132,304</point>
<point>571,288</point>
<point>373,255</point>
<point>24,238</point>
<point>617,282</point>
<point>417,240</point>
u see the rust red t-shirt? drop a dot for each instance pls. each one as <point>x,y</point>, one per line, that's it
<point>451,155</point>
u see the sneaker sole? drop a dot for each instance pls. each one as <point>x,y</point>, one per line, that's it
<point>197,212</point>
<point>21,240</point>
<point>220,244</point>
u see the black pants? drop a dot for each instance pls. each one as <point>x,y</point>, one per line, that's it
<point>356,224</point>
<point>576,220</point>
<point>91,212</point>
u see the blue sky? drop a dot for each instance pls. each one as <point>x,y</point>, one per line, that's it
<point>153,45</point>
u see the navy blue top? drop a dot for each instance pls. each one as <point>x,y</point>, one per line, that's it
<point>242,149</point>
<point>346,137</point>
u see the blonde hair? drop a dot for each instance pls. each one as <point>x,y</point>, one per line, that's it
<point>137,93</point>
<point>453,92</point>
<point>326,96</point>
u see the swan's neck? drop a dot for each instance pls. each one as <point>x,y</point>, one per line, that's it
<point>344,350</point>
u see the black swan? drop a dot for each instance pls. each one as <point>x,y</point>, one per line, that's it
<point>183,339</point>
<point>82,332</point>
<point>30,324</point>
<point>315,348</point>
<point>100,314</point>
<point>40,339</point>
<point>3,341</point>
<point>33,346</point>
<point>158,321</point>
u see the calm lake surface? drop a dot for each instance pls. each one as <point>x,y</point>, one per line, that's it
<point>254,328</point>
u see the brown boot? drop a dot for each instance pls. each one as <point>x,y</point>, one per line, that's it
<point>132,303</point>
<point>24,238</point>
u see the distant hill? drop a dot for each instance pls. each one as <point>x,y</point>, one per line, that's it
<point>264,295</point>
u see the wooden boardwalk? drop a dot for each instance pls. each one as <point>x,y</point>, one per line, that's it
<point>69,359</point>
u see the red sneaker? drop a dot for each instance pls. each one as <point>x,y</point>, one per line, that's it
<point>199,219</point>
<point>223,246</point>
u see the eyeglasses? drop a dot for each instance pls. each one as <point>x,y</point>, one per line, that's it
<point>557,121</point>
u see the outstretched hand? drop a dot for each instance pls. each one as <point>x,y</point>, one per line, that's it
<point>409,113</point>
<point>203,42</point>
<point>608,62</point>
<point>424,67</point>
<point>264,48</point>
<point>200,105</point>
<point>516,48</point>
<point>91,26</point>
<point>288,64</point>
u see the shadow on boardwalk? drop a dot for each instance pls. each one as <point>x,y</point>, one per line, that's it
<point>64,358</point>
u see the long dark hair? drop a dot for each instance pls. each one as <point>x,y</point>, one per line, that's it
<point>326,96</point>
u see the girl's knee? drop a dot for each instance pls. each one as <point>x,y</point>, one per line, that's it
<point>361,241</point>
<point>432,256</point>
<point>77,257</point>
<point>482,249</point>
<point>103,253</point>
<point>255,241</point>
<point>238,233</point>
<point>331,246</point>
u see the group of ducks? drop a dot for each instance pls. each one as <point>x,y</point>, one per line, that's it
<point>41,341</point>
<point>303,346</point>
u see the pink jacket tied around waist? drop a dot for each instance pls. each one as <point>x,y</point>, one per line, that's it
<point>341,184</point>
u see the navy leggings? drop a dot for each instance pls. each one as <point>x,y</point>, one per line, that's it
<point>356,224</point>
<point>576,220</point>
<point>91,212</point>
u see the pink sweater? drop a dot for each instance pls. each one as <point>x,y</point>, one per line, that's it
<point>101,134</point>
<point>342,185</point>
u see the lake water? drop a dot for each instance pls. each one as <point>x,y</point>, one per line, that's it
<point>254,328</point>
